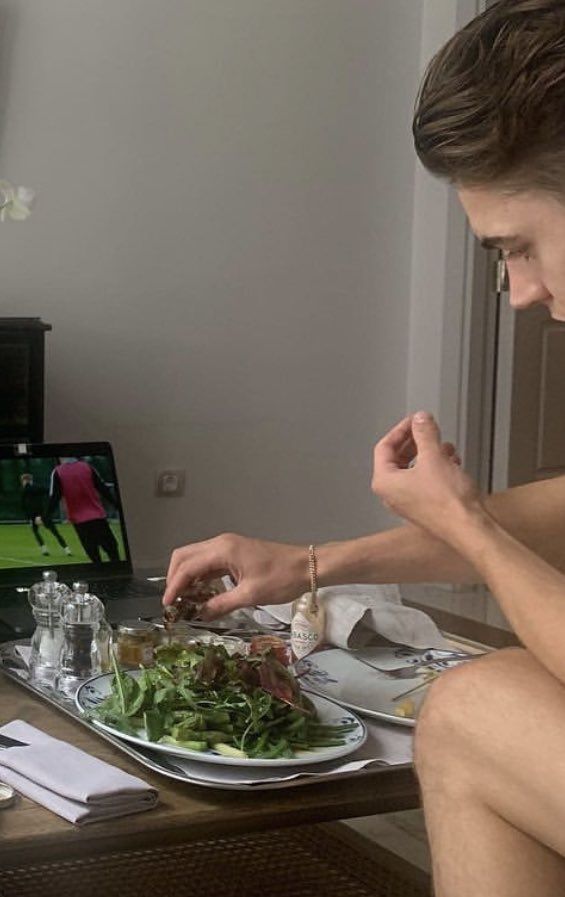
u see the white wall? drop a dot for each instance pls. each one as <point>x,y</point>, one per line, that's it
<point>439,331</point>
<point>222,242</point>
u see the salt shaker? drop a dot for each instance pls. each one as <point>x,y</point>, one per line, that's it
<point>46,598</point>
<point>80,657</point>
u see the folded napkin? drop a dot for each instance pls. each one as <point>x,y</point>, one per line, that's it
<point>68,781</point>
<point>361,615</point>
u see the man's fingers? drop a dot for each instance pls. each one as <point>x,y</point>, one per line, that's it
<point>408,452</point>
<point>177,559</point>
<point>199,560</point>
<point>426,432</point>
<point>179,556</point>
<point>223,604</point>
<point>186,573</point>
<point>450,451</point>
<point>398,434</point>
<point>388,448</point>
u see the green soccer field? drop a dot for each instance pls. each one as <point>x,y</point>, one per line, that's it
<point>18,546</point>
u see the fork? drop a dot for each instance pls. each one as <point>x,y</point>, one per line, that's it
<point>411,671</point>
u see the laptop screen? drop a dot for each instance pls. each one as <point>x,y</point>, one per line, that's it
<point>60,508</point>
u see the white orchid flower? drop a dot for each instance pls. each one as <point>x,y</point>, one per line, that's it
<point>15,202</point>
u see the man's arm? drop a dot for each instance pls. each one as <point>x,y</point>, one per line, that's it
<point>272,573</point>
<point>534,514</point>
<point>437,495</point>
<point>530,591</point>
<point>102,488</point>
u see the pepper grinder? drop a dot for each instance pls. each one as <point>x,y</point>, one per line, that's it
<point>80,657</point>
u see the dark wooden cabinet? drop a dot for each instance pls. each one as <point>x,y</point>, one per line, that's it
<point>22,377</point>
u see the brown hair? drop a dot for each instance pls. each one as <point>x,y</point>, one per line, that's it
<point>491,108</point>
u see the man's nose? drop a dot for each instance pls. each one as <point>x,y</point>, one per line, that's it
<point>526,291</point>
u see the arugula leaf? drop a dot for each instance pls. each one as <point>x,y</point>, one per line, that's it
<point>119,682</point>
<point>154,724</point>
<point>200,697</point>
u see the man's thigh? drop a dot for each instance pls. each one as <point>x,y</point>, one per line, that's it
<point>497,726</point>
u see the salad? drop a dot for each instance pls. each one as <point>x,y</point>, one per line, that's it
<point>201,698</point>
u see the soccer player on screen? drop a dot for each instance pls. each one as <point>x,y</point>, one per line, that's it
<point>34,499</point>
<point>81,488</point>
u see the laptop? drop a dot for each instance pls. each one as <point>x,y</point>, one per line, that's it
<point>61,509</point>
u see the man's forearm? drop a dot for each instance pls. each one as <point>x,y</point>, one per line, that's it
<point>533,514</point>
<point>529,590</point>
<point>404,554</point>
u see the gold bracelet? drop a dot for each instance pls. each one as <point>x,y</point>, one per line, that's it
<point>313,570</point>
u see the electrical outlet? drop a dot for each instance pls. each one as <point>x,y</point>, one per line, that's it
<point>170,483</point>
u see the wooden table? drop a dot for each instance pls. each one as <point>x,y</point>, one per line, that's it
<point>30,834</point>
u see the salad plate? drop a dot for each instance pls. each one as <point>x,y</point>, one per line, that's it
<point>360,679</point>
<point>96,690</point>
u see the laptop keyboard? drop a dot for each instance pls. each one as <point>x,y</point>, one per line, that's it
<point>131,588</point>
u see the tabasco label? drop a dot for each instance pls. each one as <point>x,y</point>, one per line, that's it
<point>305,635</point>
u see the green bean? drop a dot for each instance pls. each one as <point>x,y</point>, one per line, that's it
<point>190,745</point>
<point>195,697</point>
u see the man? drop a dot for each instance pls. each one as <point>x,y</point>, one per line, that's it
<point>490,740</point>
<point>82,488</point>
<point>34,499</point>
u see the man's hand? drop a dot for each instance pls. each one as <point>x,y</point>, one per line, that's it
<point>420,478</point>
<point>38,521</point>
<point>264,572</point>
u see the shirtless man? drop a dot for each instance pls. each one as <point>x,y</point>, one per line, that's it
<point>490,740</point>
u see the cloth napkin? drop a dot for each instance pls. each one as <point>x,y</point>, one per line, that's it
<point>361,615</point>
<point>68,781</point>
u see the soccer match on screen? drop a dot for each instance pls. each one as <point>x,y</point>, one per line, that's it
<point>58,511</point>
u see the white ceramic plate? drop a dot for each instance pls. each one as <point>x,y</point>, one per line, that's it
<point>94,690</point>
<point>351,678</point>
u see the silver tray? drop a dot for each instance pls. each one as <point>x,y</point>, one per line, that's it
<point>190,771</point>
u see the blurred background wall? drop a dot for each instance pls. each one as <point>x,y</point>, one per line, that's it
<point>223,242</point>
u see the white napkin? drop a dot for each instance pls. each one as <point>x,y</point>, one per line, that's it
<point>68,781</point>
<point>359,615</point>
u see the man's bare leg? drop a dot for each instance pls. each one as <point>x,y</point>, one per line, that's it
<point>490,755</point>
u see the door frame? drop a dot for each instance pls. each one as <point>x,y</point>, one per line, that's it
<point>453,310</point>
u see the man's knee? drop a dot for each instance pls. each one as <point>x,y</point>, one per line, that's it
<point>461,704</point>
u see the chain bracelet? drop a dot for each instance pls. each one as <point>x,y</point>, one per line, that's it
<point>313,570</point>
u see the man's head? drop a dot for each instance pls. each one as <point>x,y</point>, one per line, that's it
<point>26,479</point>
<point>491,107</point>
<point>490,118</point>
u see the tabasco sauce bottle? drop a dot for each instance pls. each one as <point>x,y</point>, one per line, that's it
<point>307,627</point>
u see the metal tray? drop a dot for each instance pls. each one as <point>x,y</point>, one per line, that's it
<point>193,772</point>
